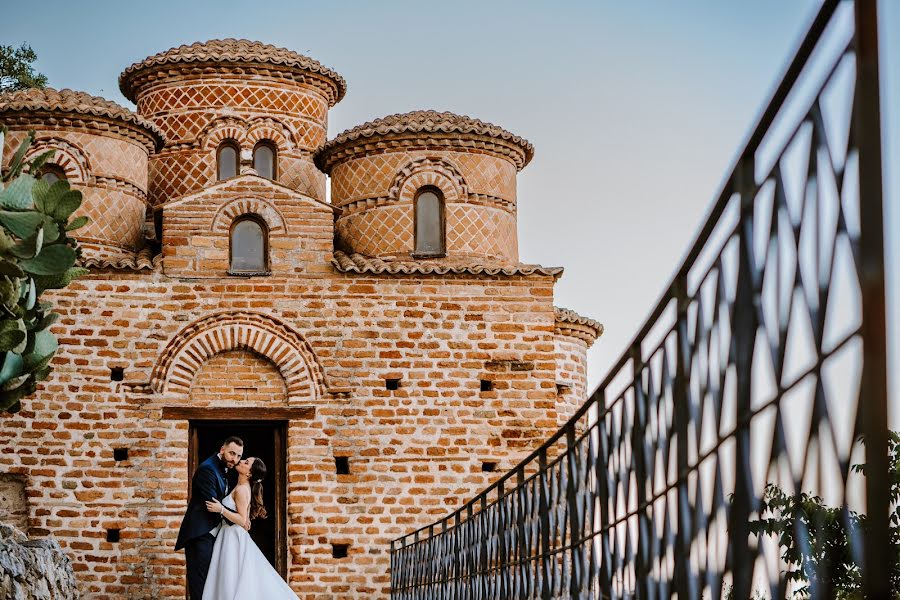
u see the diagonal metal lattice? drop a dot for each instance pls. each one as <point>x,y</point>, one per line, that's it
<point>758,374</point>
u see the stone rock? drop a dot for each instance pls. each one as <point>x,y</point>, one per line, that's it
<point>34,569</point>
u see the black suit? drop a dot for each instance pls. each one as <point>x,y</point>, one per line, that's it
<point>209,482</point>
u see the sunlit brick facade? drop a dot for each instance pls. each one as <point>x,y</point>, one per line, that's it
<point>416,369</point>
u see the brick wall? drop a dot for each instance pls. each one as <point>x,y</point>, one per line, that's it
<point>196,228</point>
<point>197,112</point>
<point>415,452</point>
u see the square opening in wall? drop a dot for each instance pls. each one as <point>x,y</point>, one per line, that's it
<point>392,384</point>
<point>487,385</point>
<point>112,535</point>
<point>120,454</point>
<point>489,466</point>
<point>342,465</point>
<point>339,550</point>
<point>117,373</point>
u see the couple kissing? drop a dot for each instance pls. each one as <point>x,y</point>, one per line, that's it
<point>223,562</point>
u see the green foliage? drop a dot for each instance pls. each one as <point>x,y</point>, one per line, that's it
<point>821,544</point>
<point>36,254</point>
<point>16,70</point>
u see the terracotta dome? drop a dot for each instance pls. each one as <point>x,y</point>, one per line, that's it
<point>32,104</point>
<point>232,52</point>
<point>412,125</point>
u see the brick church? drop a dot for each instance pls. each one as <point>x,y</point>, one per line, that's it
<point>380,347</point>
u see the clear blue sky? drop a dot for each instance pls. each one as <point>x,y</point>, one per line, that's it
<point>636,108</point>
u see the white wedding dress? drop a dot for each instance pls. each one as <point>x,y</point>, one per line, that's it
<point>239,571</point>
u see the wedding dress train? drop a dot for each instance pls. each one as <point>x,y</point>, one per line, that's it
<point>239,571</point>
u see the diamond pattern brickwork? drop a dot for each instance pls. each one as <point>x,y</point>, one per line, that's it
<point>471,230</point>
<point>243,95</point>
<point>183,112</point>
<point>299,173</point>
<point>372,176</point>
<point>114,157</point>
<point>174,174</point>
<point>486,174</point>
<point>481,231</point>
<point>383,231</point>
<point>117,217</point>
<point>111,173</point>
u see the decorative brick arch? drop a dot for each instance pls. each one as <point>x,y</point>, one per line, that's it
<point>221,129</point>
<point>437,172</point>
<point>267,128</point>
<point>268,212</point>
<point>69,157</point>
<point>240,330</point>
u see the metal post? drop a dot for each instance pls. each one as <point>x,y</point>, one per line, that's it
<point>685,583</point>
<point>603,493</point>
<point>873,392</point>
<point>642,565</point>
<point>744,329</point>
<point>576,581</point>
<point>503,567</point>
<point>544,510</point>
<point>524,570</point>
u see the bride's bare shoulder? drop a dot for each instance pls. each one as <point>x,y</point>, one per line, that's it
<point>242,491</point>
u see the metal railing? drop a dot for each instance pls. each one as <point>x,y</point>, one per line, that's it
<point>757,374</point>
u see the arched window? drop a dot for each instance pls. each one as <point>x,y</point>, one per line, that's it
<point>52,173</point>
<point>429,217</point>
<point>227,160</point>
<point>249,247</point>
<point>264,159</point>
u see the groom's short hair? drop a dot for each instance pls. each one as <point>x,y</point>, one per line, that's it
<point>233,440</point>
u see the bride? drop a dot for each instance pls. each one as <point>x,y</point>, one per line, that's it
<point>238,569</point>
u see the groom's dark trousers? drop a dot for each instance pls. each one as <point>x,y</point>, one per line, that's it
<point>209,482</point>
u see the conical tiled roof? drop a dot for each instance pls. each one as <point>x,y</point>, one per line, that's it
<point>424,122</point>
<point>49,100</point>
<point>231,51</point>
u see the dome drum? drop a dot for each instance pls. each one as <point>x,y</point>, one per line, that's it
<point>237,92</point>
<point>101,148</point>
<point>379,169</point>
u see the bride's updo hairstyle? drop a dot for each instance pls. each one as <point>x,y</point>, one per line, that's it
<point>257,474</point>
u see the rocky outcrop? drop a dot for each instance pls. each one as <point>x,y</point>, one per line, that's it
<point>34,569</point>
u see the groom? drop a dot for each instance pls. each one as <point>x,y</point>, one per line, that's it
<point>198,528</point>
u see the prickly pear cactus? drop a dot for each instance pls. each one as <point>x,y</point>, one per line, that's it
<point>36,254</point>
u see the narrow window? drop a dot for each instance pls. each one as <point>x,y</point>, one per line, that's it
<point>339,550</point>
<point>489,466</point>
<point>112,535</point>
<point>120,454</point>
<point>227,160</point>
<point>392,384</point>
<point>249,246</point>
<point>487,385</point>
<point>117,373</point>
<point>342,465</point>
<point>264,156</point>
<point>429,215</point>
<point>52,173</point>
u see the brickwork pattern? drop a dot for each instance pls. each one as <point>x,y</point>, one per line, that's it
<point>196,240</point>
<point>198,113</point>
<point>324,330</point>
<point>377,194</point>
<point>415,452</point>
<point>374,176</point>
<point>110,171</point>
<point>238,377</point>
<point>571,374</point>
